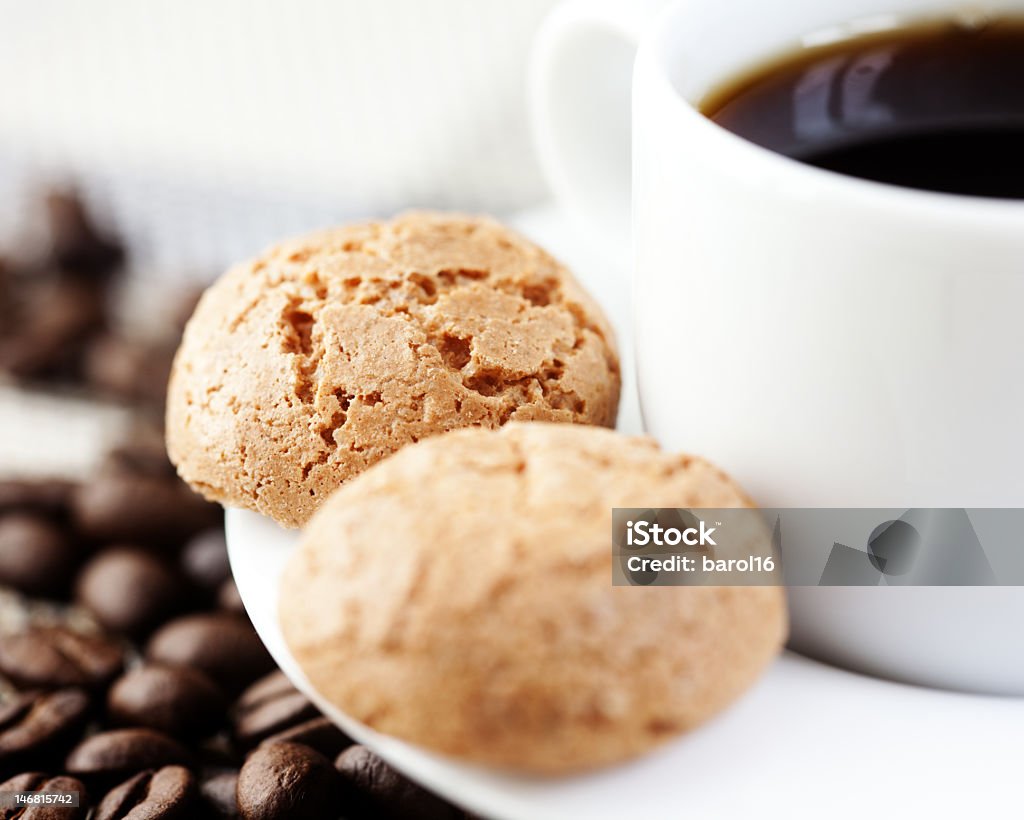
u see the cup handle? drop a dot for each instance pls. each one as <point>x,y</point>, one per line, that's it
<point>579,92</point>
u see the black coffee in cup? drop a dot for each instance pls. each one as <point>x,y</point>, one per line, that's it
<point>937,106</point>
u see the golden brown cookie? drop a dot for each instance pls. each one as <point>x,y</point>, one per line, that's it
<point>459,596</point>
<point>327,353</point>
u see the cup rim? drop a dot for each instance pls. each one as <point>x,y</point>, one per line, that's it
<point>869,193</point>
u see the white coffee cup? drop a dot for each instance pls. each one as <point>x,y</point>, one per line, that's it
<point>827,340</point>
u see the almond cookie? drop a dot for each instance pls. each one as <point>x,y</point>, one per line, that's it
<point>459,596</point>
<point>327,353</point>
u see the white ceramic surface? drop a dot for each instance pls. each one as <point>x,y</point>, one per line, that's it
<point>828,341</point>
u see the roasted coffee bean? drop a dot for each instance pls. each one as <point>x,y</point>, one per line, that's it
<point>24,782</point>
<point>36,556</point>
<point>287,781</point>
<point>318,733</point>
<point>55,657</point>
<point>269,687</point>
<point>176,700</point>
<point>38,782</point>
<point>129,590</point>
<point>142,510</point>
<point>36,727</point>
<point>111,756</point>
<point>269,706</point>
<point>371,788</point>
<point>229,599</point>
<point>222,646</point>
<point>56,320</point>
<point>49,498</point>
<point>218,794</point>
<point>128,369</point>
<point>24,356</point>
<point>143,454</point>
<point>217,753</point>
<point>204,560</point>
<point>166,794</point>
<point>78,248</point>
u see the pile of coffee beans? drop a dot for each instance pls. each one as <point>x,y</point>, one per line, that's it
<point>57,312</point>
<point>130,674</point>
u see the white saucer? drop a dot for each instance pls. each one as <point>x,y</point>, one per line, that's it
<point>809,740</point>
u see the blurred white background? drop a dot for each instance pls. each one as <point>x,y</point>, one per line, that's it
<point>206,129</point>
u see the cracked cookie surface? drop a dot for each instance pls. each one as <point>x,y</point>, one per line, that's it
<point>459,596</point>
<point>304,366</point>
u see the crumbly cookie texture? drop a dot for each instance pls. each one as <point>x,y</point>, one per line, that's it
<point>459,596</point>
<point>327,353</point>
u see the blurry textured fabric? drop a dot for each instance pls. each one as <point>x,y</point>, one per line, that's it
<point>230,123</point>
